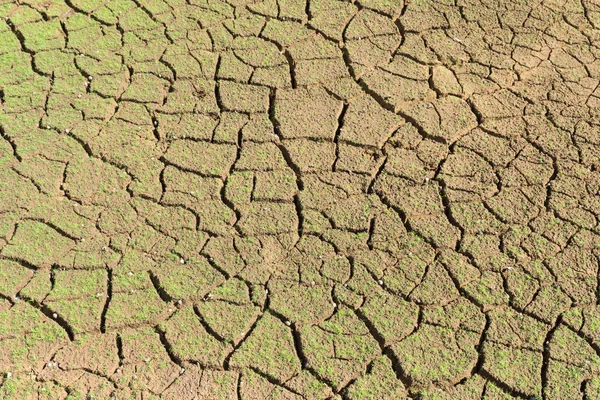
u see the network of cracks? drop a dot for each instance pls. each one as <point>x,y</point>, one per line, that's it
<point>300,199</point>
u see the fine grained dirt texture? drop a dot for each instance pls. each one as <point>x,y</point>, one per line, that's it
<point>300,199</point>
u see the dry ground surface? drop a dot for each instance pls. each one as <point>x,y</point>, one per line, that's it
<point>289,199</point>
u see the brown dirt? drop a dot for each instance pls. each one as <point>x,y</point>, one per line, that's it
<point>290,199</point>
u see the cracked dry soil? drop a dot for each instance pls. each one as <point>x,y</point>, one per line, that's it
<point>290,199</point>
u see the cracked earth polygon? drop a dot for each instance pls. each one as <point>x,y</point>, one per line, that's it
<point>300,199</point>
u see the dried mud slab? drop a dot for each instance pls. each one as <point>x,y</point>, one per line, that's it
<point>285,199</point>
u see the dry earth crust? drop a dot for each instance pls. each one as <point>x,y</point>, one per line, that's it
<point>300,199</point>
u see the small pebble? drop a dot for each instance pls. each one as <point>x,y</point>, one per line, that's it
<point>130,273</point>
<point>380,282</point>
<point>180,302</point>
<point>288,323</point>
<point>54,315</point>
<point>90,77</point>
<point>8,374</point>
<point>312,283</point>
<point>182,371</point>
<point>181,261</point>
<point>334,305</point>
